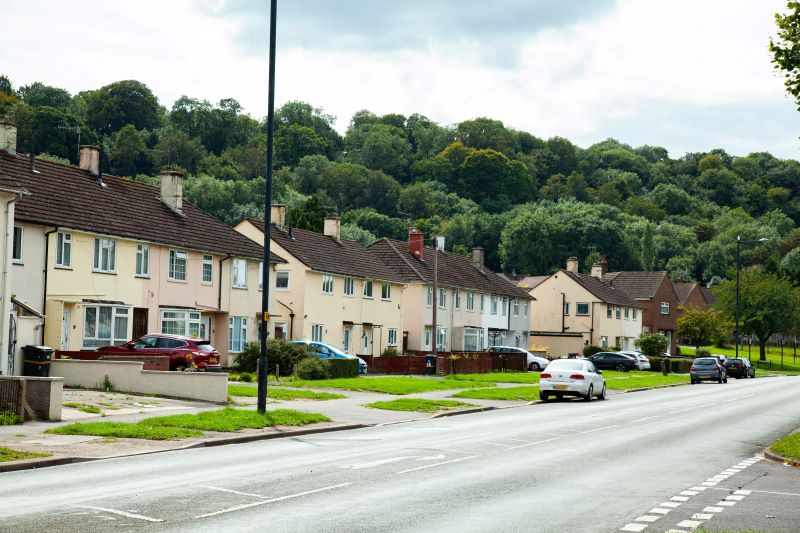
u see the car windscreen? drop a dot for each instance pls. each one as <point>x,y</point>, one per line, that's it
<point>705,362</point>
<point>205,347</point>
<point>565,364</point>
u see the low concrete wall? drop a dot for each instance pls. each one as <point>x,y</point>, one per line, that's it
<point>45,396</point>
<point>128,376</point>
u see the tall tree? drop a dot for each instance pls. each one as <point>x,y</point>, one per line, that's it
<point>786,48</point>
<point>120,103</point>
<point>702,326</point>
<point>648,249</point>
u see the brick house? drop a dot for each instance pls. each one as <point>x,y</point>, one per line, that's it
<point>691,295</point>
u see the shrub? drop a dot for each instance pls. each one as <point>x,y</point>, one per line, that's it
<point>9,419</point>
<point>677,350</point>
<point>616,348</point>
<point>590,349</point>
<point>312,368</point>
<point>280,353</point>
<point>651,343</point>
<point>391,350</point>
<point>343,368</point>
<point>247,360</point>
<point>246,377</point>
<point>702,353</point>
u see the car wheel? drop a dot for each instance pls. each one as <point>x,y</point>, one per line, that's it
<point>589,395</point>
<point>725,379</point>
<point>694,382</point>
<point>544,396</point>
<point>534,367</point>
<point>602,395</point>
<point>180,367</point>
<point>621,368</point>
<point>719,378</point>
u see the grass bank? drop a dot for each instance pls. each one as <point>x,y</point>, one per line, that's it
<point>390,385</point>
<point>531,378</point>
<point>124,430</point>
<point>418,404</point>
<point>791,363</point>
<point>510,394</point>
<point>7,454</point>
<point>641,379</point>
<point>788,447</point>
<point>282,394</point>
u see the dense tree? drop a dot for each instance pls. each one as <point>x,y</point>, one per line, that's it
<point>786,48</point>
<point>113,106</point>
<point>379,147</point>
<point>129,155</point>
<point>39,94</point>
<point>310,215</point>
<point>648,249</point>
<point>702,325</point>
<point>304,114</point>
<point>485,133</point>
<point>294,142</point>
<point>178,149</point>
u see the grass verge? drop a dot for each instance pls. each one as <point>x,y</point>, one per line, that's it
<point>510,394</point>
<point>229,420</point>
<point>282,394</point>
<point>638,380</point>
<point>8,419</point>
<point>86,408</point>
<point>788,447</point>
<point>391,385</point>
<point>418,404</point>
<point>7,454</point>
<point>499,377</point>
<point>125,430</point>
<point>773,362</point>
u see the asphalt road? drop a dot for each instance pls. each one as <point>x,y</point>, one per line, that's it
<point>565,466</point>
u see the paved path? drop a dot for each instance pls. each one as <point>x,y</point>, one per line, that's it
<point>567,466</point>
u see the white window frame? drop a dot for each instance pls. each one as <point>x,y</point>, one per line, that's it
<point>207,268</point>
<point>239,273</point>
<point>237,343</point>
<point>470,301</point>
<point>456,299</point>
<point>515,307</point>
<point>429,300</point>
<point>142,260</point>
<point>386,292</point>
<point>392,337</point>
<point>283,274</point>
<point>428,336</point>
<point>504,306</point>
<point>441,339</point>
<point>176,259</point>
<point>186,322</point>
<point>442,302</point>
<point>472,339</point>
<point>617,312</point>
<point>102,244</point>
<point>327,284</point>
<point>483,302</point>
<point>347,334</point>
<point>349,287</point>
<point>117,313</point>
<point>16,245</point>
<point>609,311</point>
<point>493,305</point>
<point>525,309</point>
<point>665,305</point>
<point>317,332</point>
<point>367,290</point>
<point>578,308</point>
<point>627,313</point>
<point>63,250</point>
<point>635,313</point>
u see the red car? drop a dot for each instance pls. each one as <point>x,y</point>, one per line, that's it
<point>183,352</point>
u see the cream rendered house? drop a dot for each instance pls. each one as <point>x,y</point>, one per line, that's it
<point>105,259</point>
<point>572,310</point>
<point>331,289</point>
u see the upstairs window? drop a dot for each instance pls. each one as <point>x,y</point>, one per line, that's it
<point>483,302</point>
<point>494,305</point>
<point>349,286</point>
<point>664,308</point>
<point>208,269</point>
<point>367,289</point>
<point>16,248</point>
<point>635,312</point>
<point>515,308</point>
<point>143,260</point>
<point>609,311</point>
<point>282,281</point>
<point>618,312</point>
<point>504,307</point>
<point>470,301</point>
<point>327,284</point>
<point>429,300</point>
<point>177,265</point>
<point>582,309</point>
<point>627,312</point>
<point>457,300</point>
<point>240,273</point>
<point>386,291</point>
<point>442,303</point>
<point>63,250</point>
<point>105,251</point>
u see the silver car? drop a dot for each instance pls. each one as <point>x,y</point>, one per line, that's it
<point>572,377</point>
<point>644,362</point>
<point>707,368</point>
<point>532,362</point>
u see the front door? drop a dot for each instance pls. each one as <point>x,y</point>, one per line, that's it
<point>346,336</point>
<point>205,328</point>
<point>65,322</point>
<point>367,342</point>
<point>139,322</point>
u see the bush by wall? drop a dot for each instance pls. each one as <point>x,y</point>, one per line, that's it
<point>591,350</point>
<point>678,366</point>
<point>343,368</point>
<point>313,368</point>
<point>281,354</point>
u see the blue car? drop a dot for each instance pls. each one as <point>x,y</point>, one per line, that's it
<point>326,351</point>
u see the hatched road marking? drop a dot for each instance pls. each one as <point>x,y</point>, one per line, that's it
<point>121,513</point>
<point>264,502</point>
<point>436,464</point>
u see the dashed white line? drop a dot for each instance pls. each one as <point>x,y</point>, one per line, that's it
<point>670,504</point>
<point>689,493</point>
<point>599,429</point>
<point>648,518</point>
<point>679,499</point>
<point>121,513</point>
<point>726,503</point>
<point>221,489</point>
<point>272,500</point>
<point>735,497</point>
<point>436,464</point>
<point>658,510</point>
<point>643,419</point>
<point>712,509</point>
<point>681,411</point>
<point>702,516</point>
<point>533,443</point>
<point>633,527</point>
<point>689,523</point>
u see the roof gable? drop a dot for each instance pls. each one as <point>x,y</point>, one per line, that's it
<point>639,285</point>
<point>604,292</point>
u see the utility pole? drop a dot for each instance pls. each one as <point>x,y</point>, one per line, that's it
<point>263,358</point>
<point>435,293</point>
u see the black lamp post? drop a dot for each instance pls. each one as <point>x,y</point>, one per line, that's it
<point>739,243</point>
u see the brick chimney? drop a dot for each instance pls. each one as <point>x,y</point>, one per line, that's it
<point>172,189</point>
<point>572,264</point>
<point>416,243</point>
<point>598,269</point>
<point>331,228</point>
<point>477,258</point>
<point>279,215</point>
<point>90,159</point>
<point>8,137</point>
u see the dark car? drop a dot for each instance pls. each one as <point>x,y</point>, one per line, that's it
<point>183,352</point>
<point>707,368</point>
<point>614,361</point>
<point>740,368</point>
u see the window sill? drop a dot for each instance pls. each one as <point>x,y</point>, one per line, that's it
<point>173,280</point>
<point>327,294</point>
<point>587,314</point>
<point>207,283</point>
<point>238,288</point>
<point>109,272</point>
<point>368,298</point>
<point>386,299</point>
<point>142,276</point>
<point>63,267</point>
<point>346,295</point>
<point>287,289</point>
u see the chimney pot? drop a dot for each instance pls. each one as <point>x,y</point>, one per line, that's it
<point>172,189</point>
<point>8,136</point>
<point>416,243</point>
<point>90,159</point>
<point>598,270</point>
<point>572,264</point>
<point>477,258</point>
<point>331,228</point>
<point>278,215</point>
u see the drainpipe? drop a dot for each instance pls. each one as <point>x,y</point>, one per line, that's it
<point>44,293</point>
<point>591,326</point>
<point>291,319</point>
<point>9,235</point>
<point>563,301</point>
<point>219,300</point>
<point>509,313</point>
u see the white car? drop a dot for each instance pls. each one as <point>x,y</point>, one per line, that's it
<point>644,362</point>
<point>572,377</point>
<point>532,362</point>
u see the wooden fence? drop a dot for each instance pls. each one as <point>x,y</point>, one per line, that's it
<point>446,363</point>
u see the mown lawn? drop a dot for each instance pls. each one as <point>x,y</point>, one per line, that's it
<point>282,394</point>
<point>510,393</point>
<point>418,404</point>
<point>7,454</point>
<point>637,380</point>
<point>790,363</point>
<point>499,377</point>
<point>124,430</point>
<point>788,447</point>
<point>390,385</point>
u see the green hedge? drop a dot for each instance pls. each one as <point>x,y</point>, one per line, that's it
<point>343,368</point>
<point>676,365</point>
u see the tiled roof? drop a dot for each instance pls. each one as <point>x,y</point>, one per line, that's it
<point>683,290</point>
<point>454,270</point>
<point>529,282</point>
<point>605,292</point>
<point>640,285</point>
<point>711,298</point>
<point>69,197</point>
<point>323,253</point>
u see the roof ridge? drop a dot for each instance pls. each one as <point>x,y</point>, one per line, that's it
<point>405,260</point>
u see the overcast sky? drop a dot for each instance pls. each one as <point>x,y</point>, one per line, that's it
<point>689,75</point>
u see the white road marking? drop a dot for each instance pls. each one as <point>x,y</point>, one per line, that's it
<point>679,499</point>
<point>532,443</point>
<point>689,523</point>
<point>777,493</point>
<point>658,510</point>
<point>698,488</point>
<point>702,516</point>
<point>633,527</point>
<point>681,411</point>
<point>709,483</point>
<point>648,518</point>
<point>670,504</point>
<point>436,464</point>
<point>393,460</point>
<point>121,513</point>
<point>744,492</point>
<point>735,497</point>
<point>726,503</point>
<point>643,419</point>
<point>598,429</point>
<point>264,502</point>
<point>677,531</point>
<point>221,489</point>
<point>689,493</point>
<point>712,509</point>
<point>494,444</point>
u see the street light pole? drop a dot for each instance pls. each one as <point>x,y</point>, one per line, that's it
<point>739,242</point>
<point>263,357</point>
<point>434,301</point>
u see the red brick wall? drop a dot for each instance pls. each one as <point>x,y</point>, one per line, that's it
<point>653,320</point>
<point>696,299</point>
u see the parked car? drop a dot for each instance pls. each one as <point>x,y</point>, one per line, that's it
<point>572,377</point>
<point>707,368</point>
<point>532,362</point>
<point>739,368</point>
<point>326,351</point>
<point>183,352</point>
<point>614,361</point>
<point>721,358</point>
<point>644,362</point>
